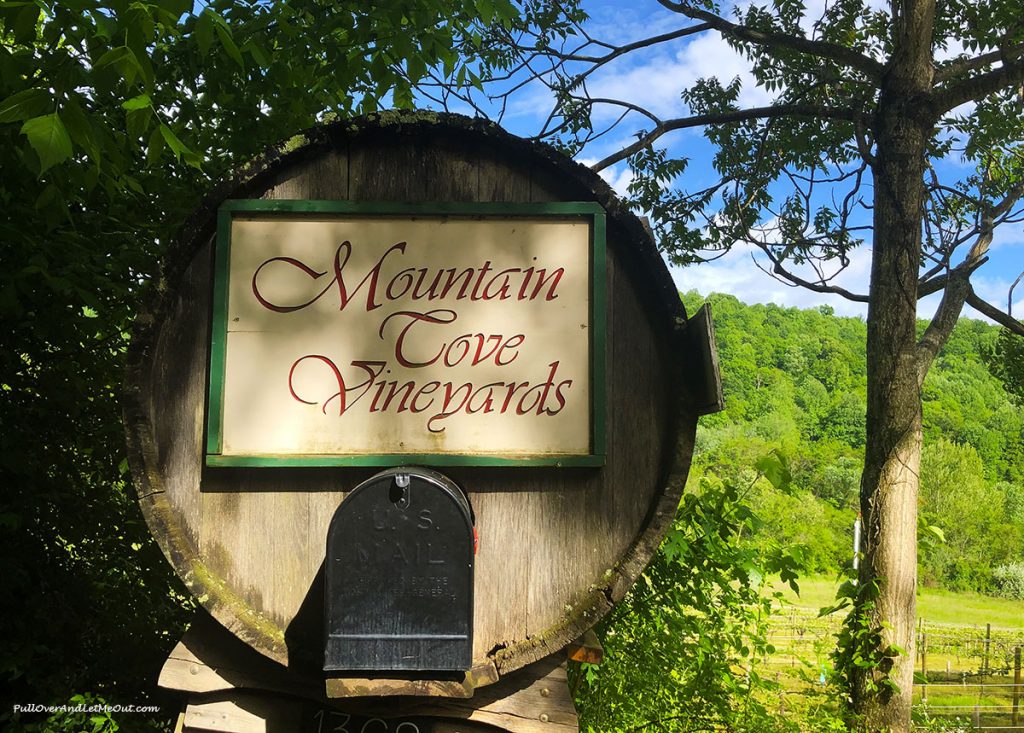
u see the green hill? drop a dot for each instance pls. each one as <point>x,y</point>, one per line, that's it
<point>795,381</point>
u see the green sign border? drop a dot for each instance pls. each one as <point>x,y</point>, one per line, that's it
<point>555,210</point>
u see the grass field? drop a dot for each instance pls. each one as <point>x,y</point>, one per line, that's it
<point>968,676</point>
<point>934,605</point>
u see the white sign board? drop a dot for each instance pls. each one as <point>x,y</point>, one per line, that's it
<point>367,337</point>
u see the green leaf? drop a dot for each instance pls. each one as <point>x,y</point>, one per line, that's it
<point>90,178</point>
<point>123,58</point>
<point>505,10</point>
<point>753,573</point>
<point>80,129</point>
<point>49,138</point>
<point>49,198</point>
<point>486,10</point>
<point>203,31</point>
<point>78,6</point>
<point>402,96</point>
<point>416,68</point>
<point>224,34</point>
<point>774,468</point>
<point>180,149</point>
<point>155,147</point>
<point>25,25</point>
<point>106,25</point>
<point>145,68</point>
<point>140,102</point>
<point>113,56</point>
<point>256,52</point>
<point>141,29</point>
<point>24,105</point>
<point>177,146</point>
<point>138,122</point>
<point>177,8</point>
<point>829,610</point>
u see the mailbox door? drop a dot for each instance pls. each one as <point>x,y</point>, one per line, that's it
<point>399,576</point>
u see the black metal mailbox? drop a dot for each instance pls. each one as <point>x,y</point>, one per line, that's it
<point>399,576</point>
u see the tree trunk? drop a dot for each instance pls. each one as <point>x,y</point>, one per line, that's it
<point>889,485</point>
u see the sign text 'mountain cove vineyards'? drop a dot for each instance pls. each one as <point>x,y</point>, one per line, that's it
<point>362,334</point>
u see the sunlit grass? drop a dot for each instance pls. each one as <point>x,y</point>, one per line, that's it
<point>934,605</point>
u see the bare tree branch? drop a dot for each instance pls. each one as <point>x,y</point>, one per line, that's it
<point>978,87</point>
<point>740,115</point>
<point>958,288</point>
<point>930,285</point>
<point>819,49</point>
<point>863,144</point>
<point>780,273</point>
<point>617,51</point>
<point>1009,295</point>
<point>955,68</point>
<point>989,217</point>
<point>621,103</point>
<point>987,309</point>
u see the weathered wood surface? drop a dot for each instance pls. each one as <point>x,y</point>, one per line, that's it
<point>231,687</point>
<point>481,675</point>
<point>244,714</point>
<point>208,659</point>
<point>536,701</point>
<point>557,546</point>
<point>703,358</point>
<point>533,701</point>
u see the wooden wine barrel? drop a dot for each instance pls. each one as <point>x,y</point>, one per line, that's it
<point>558,545</point>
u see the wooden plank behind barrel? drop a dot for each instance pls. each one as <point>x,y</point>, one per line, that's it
<point>550,538</point>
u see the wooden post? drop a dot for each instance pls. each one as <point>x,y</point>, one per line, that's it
<point>988,645</point>
<point>977,717</point>
<point>920,634</point>
<point>1016,687</point>
<point>924,667</point>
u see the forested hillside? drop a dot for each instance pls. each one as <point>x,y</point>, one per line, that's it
<point>795,382</point>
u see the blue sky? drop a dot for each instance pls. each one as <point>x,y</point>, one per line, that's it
<point>654,79</point>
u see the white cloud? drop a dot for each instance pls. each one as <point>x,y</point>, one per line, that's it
<point>654,78</point>
<point>1006,235</point>
<point>736,273</point>
<point>618,177</point>
<point>620,23</point>
<point>996,289</point>
<point>656,82</point>
<point>534,102</point>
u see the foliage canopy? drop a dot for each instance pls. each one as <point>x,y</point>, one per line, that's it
<point>114,117</point>
<point>865,106</point>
